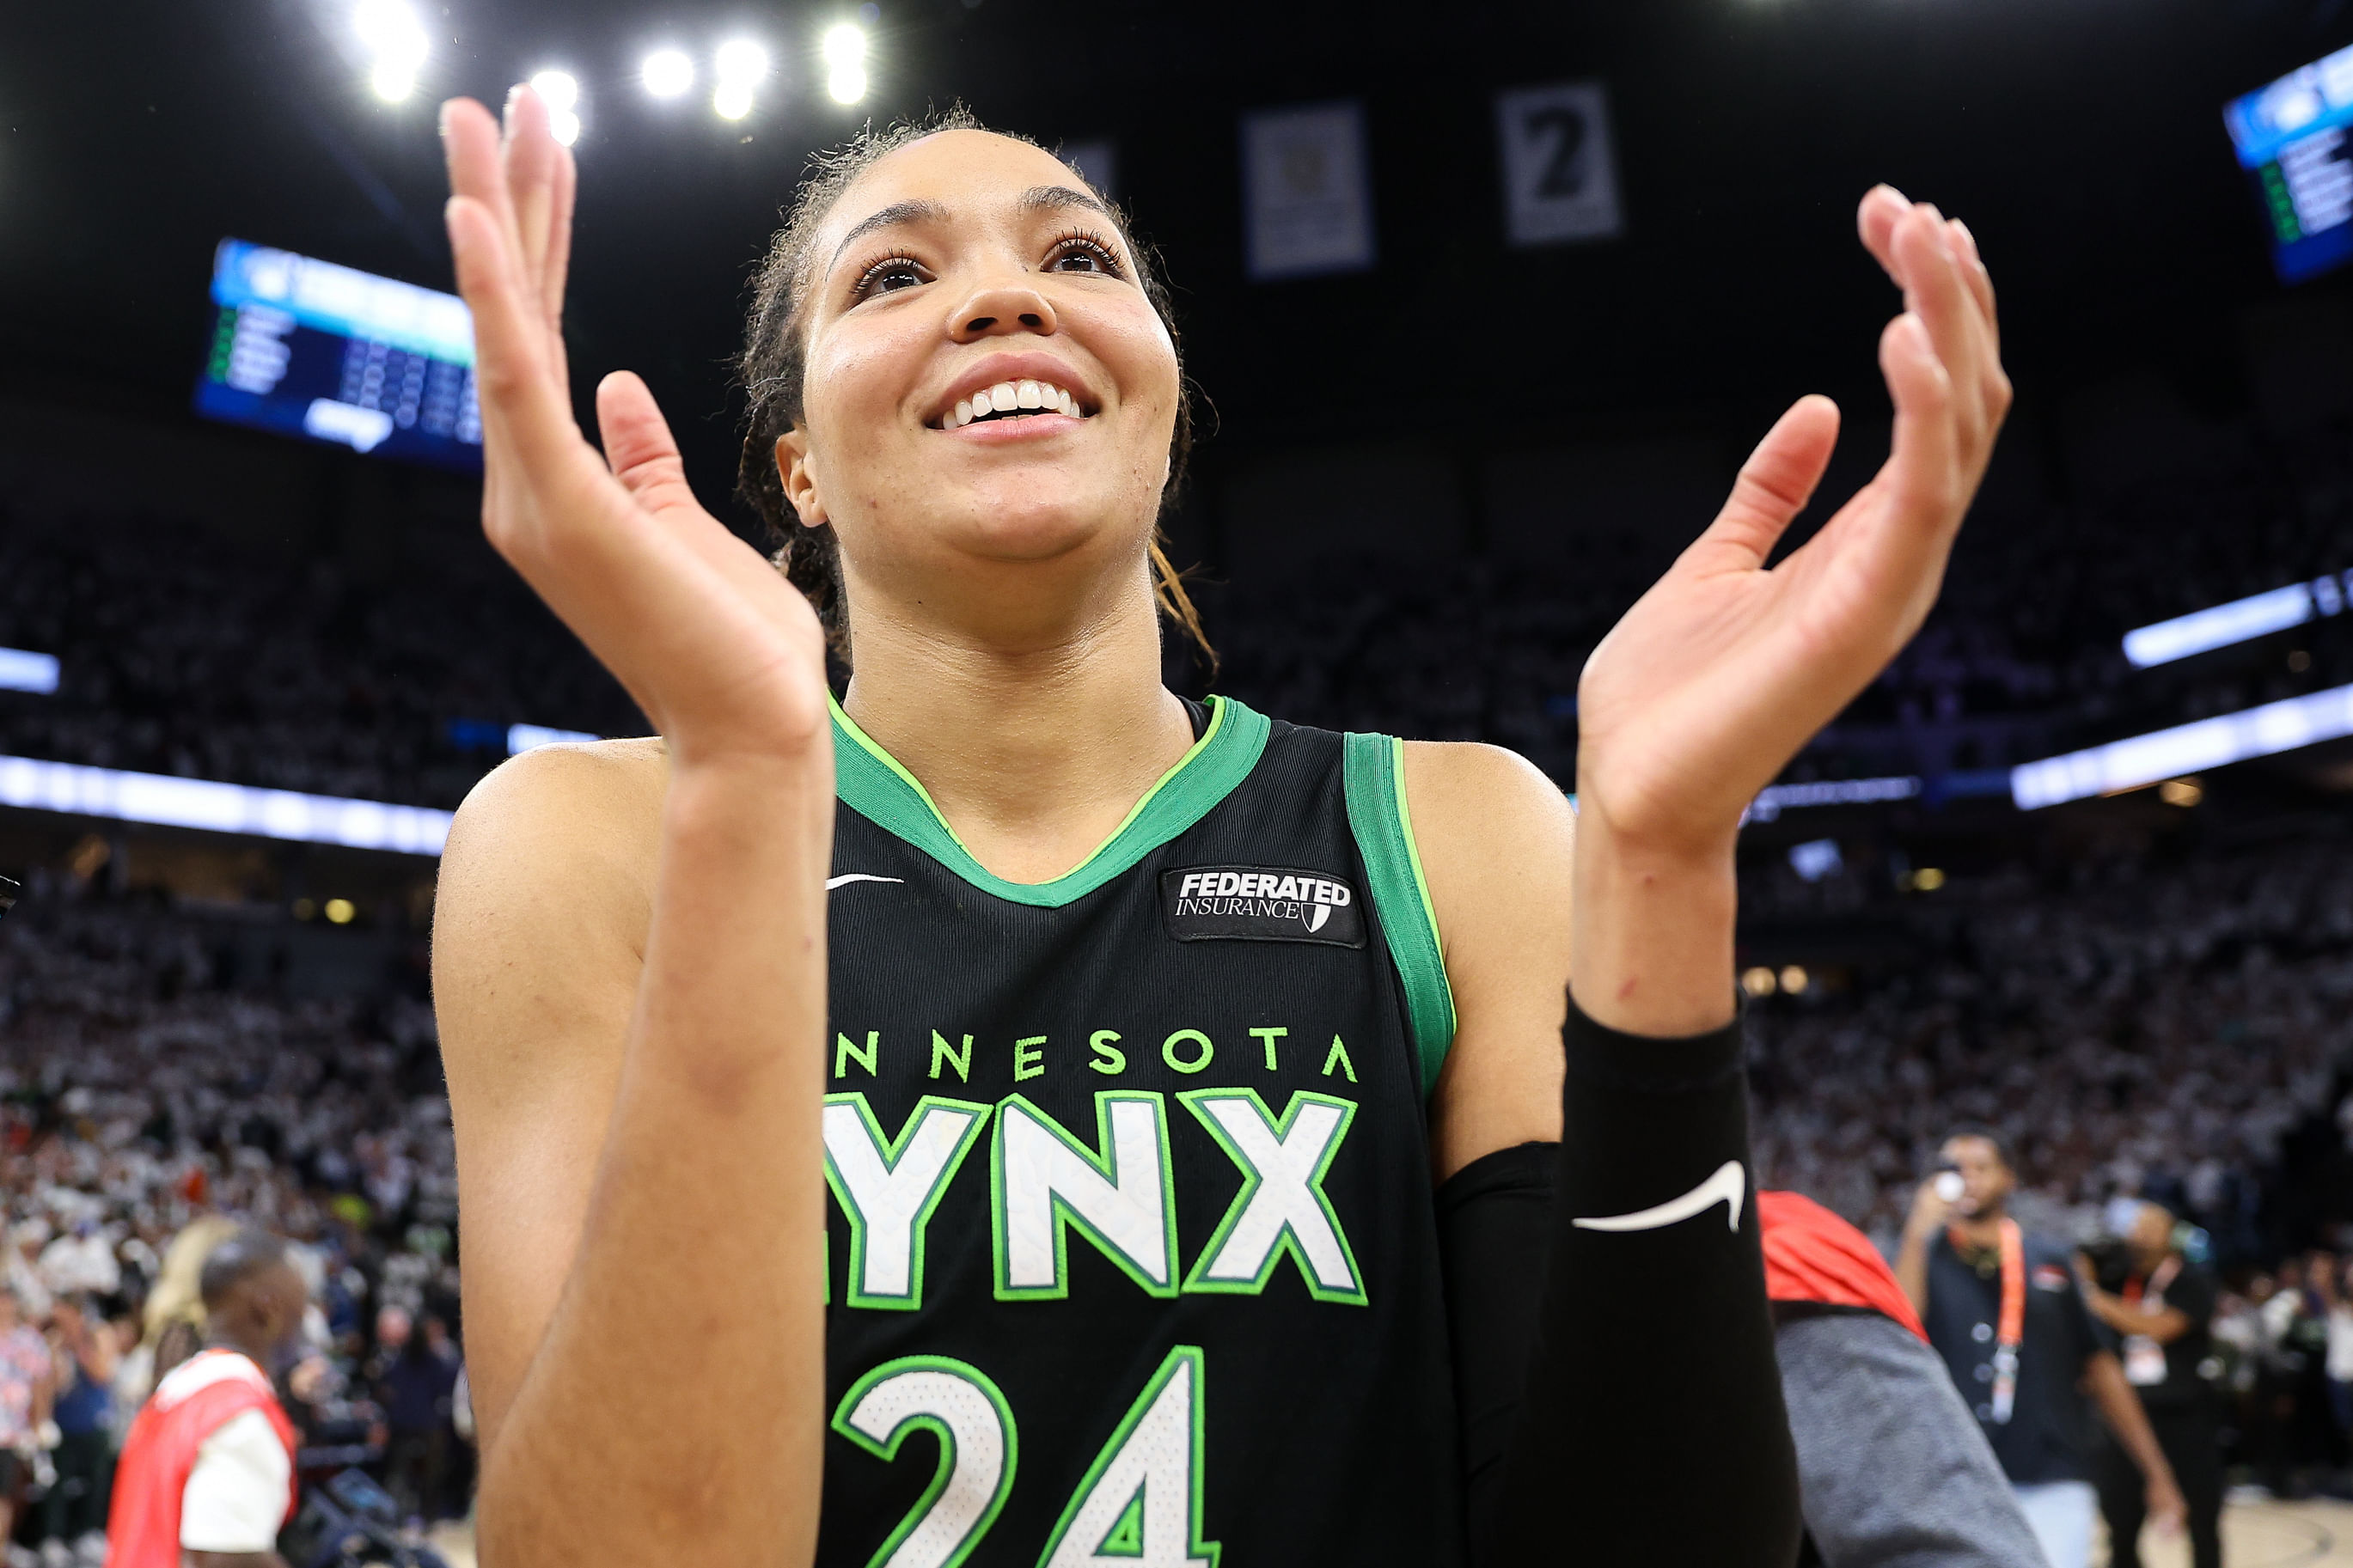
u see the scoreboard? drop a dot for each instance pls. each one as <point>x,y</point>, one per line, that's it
<point>2296,138</point>
<point>311,349</point>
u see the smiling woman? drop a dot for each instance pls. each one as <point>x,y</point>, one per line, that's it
<point>1366,1175</point>
<point>1091,235</point>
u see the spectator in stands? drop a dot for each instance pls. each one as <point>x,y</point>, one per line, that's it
<point>206,1476</point>
<point>1893,1470</point>
<point>73,1514</point>
<point>2333,1294</point>
<point>27,1381</point>
<point>2162,1309</point>
<point>2004,1311</point>
<point>417,1388</point>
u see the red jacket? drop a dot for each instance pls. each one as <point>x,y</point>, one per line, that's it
<point>200,1396</point>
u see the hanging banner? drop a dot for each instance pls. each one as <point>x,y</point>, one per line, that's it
<point>1308,194</point>
<point>1561,171</point>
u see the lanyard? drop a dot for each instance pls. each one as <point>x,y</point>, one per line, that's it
<point>2011,1332</point>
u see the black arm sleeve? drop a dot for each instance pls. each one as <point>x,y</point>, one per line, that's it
<point>1649,1425</point>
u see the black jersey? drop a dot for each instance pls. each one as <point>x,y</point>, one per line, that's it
<point>1132,1258</point>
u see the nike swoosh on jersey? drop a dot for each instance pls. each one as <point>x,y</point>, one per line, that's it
<point>1728,1186</point>
<point>833,882</point>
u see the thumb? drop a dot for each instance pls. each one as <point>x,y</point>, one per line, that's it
<point>1774,486</point>
<point>639,447</point>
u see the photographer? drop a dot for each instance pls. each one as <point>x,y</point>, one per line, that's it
<point>2162,1306</point>
<point>2003,1310</point>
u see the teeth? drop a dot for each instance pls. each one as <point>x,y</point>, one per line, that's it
<point>1007,397</point>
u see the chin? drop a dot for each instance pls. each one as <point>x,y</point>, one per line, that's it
<point>1019,526</point>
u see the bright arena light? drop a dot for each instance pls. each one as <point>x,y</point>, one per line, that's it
<point>172,802</point>
<point>742,65</point>
<point>560,91</point>
<point>395,38</point>
<point>21,670</point>
<point>668,73</point>
<point>845,62</point>
<point>2265,732</point>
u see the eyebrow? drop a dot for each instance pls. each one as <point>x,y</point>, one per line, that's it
<point>1037,198</point>
<point>897,212</point>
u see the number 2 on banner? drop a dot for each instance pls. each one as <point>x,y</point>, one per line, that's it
<point>1139,1505</point>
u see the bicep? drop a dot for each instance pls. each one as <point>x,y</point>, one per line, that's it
<point>535,967</point>
<point>1495,837</point>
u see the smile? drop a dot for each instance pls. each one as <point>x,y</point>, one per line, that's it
<point>1011,400</point>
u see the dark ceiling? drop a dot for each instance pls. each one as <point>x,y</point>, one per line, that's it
<point>2081,138</point>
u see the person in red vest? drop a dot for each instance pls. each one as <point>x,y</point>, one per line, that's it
<point>206,1476</point>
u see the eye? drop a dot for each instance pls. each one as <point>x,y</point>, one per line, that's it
<point>888,275</point>
<point>1080,251</point>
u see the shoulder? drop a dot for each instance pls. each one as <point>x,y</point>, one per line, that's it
<point>546,886</point>
<point>1494,835</point>
<point>568,820</point>
<point>588,790</point>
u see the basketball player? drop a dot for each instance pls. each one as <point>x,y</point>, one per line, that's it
<point>1131,1035</point>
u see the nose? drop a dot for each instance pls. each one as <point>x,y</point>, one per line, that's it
<point>1002,310</point>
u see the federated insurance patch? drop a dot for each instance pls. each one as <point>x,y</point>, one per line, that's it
<point>1260,903</point>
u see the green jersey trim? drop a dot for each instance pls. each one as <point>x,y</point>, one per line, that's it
<point>870,781</point>
<point>1373,774</point>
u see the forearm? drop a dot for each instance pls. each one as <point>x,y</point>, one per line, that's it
<point>1652,1361</point>
<point>2120,1408</point>
<point>700,1261</point>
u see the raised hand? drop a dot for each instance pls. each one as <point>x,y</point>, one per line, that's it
<point>719,651</point>
<point>1724,668</point>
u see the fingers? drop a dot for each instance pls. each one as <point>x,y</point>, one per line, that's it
<point>1881,220</point>
<point>1934,294</point>
<point>525,407</point>
<point>638,443</point>
<point>1922,478</point>
<point>539,182</point>
<point>1773,487</point>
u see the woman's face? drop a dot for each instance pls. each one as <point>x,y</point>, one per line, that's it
<point>959,264</point>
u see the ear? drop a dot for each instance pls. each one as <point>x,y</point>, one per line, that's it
<point>797,468</point>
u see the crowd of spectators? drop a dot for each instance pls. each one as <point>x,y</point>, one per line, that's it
<point>143,1096</point>
<point>2170,1031</point>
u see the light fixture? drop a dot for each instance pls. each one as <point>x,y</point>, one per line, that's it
<point>399,42</point>
<point>1794,980</point>
<point>1758,981</point>
<point>844,48</point>
<point>668,73</point>
<point>740,66</point>
<point>2181,792</point>
<point>339,911</point>
<point>560,91</point>
<point>1928,879</point>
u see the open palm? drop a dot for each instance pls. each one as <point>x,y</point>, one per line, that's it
<point>723,654</point>
<point>1716,676</point>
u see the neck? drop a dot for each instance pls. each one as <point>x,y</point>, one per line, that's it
<point>229,1339</point>
<point>1035,743</point>
<point>1983,1228</point>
